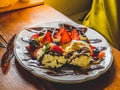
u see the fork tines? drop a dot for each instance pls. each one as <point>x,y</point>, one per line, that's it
<point>4,42</point>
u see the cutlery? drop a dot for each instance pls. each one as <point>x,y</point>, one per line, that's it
<point>7,56</point>
<point>1,45</point>
<point>3,38</point>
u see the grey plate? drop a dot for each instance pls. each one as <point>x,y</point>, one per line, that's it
<point>68,79</point>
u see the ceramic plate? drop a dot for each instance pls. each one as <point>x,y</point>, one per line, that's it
<point>31,65</point>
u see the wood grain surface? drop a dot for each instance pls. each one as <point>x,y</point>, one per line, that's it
<point>19,5</point>
<point>19,79</point>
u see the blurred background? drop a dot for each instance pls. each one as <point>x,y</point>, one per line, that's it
<point>74,9</point>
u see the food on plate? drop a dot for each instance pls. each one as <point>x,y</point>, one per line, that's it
<point>64,46</point>
<point>64,51</point>
<point>78,53</point>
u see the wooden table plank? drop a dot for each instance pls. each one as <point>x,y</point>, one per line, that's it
<point>18,78</point>
<point>20,5</point>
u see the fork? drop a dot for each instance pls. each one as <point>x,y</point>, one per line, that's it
<point>5,42</point>
<point>7,56</point>
<point>1,45</point>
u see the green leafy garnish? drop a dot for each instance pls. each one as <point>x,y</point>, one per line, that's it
<point>47,48</point>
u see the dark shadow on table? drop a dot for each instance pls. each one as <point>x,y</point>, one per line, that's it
<point>97,84</point>
<point>40,84</point>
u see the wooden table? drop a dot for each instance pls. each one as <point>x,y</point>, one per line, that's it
<point>19,79</point>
